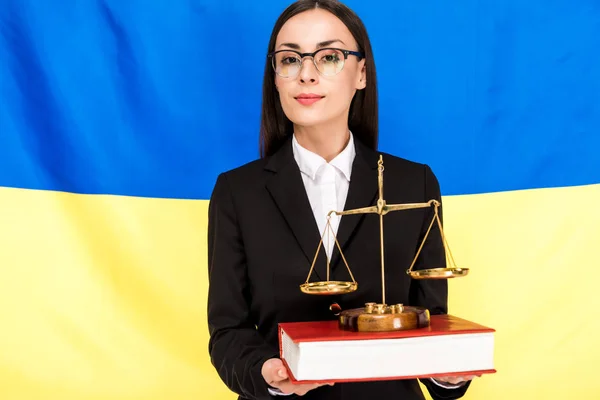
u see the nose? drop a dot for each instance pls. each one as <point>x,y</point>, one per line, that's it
<point>308,71</point>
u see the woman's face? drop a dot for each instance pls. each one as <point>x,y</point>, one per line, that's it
<point>311,98</point>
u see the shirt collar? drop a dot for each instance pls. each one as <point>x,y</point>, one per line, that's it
<point>309,162</point>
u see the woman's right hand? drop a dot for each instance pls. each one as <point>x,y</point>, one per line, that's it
<point>275,374</point>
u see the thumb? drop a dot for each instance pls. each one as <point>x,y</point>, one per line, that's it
<point>274,371</point>
<point>282,372</point>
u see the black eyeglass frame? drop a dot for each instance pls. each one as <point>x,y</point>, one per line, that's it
<point>345,52</point>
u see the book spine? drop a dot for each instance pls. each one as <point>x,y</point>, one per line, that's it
<point>279,333</point>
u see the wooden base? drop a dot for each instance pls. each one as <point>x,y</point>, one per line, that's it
<point>383,318</point>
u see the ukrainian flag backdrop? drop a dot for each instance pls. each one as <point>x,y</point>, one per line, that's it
<point>117,115</point>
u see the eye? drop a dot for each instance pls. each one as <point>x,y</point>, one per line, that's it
<point>330,58</point>
<point>287,60</point>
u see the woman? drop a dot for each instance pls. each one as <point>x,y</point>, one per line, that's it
<point>318,140</point>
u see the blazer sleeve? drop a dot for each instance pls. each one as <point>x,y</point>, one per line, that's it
<point>433,294</point>
<point>236,348</point>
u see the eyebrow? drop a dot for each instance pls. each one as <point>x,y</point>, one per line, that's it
<point>320,45</point>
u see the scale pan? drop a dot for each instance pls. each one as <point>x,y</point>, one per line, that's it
<point>328,287</point>
<point>438,273</point>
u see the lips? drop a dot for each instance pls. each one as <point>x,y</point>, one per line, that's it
<point>308,98</point>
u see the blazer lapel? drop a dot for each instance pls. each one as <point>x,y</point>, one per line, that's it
<point>288,192</point>
<point>362,192</point>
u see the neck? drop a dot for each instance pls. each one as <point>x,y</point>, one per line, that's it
<point>326,141</point>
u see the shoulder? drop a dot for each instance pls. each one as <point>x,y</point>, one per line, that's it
<point>241,177</point>
<point>400,163</point>
<point>253,175</point>
<point>393,164</point>
<point>251,170</point>
<point>408,168</point>
<point>415,177</point>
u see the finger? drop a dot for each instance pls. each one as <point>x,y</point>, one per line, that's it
<point>274,371</point>
<point>276,380</point>
<point>453,380</point>
<point>466,378</point>
<point>305,389</point>
<point>287,387</point>
<point>282,373</point>
<point>284,387</point>
<point>278,376</point>
<point>458,379</point>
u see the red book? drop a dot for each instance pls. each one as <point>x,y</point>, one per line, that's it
<point>322,352</point>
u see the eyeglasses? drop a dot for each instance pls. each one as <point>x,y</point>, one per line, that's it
<point>328,61</point>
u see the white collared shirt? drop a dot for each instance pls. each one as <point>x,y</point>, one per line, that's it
<point>326,185</point>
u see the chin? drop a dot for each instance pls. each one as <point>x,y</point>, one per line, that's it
<point>309,122</point>
<point>308,117</point>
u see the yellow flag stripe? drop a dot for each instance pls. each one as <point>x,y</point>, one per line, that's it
<point>105,296</point>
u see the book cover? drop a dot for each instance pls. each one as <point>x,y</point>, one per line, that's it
<point>320,351</point>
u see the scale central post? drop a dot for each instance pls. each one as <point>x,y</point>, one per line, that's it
<point>381,210</point>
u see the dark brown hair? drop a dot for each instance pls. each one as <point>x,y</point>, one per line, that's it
<point>275,127</point>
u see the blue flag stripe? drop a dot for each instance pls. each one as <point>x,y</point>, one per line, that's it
<point>156,99</point>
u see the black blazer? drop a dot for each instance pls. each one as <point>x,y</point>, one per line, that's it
<point>262,237</point>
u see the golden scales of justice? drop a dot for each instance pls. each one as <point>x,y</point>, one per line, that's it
<point>381,317</point>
